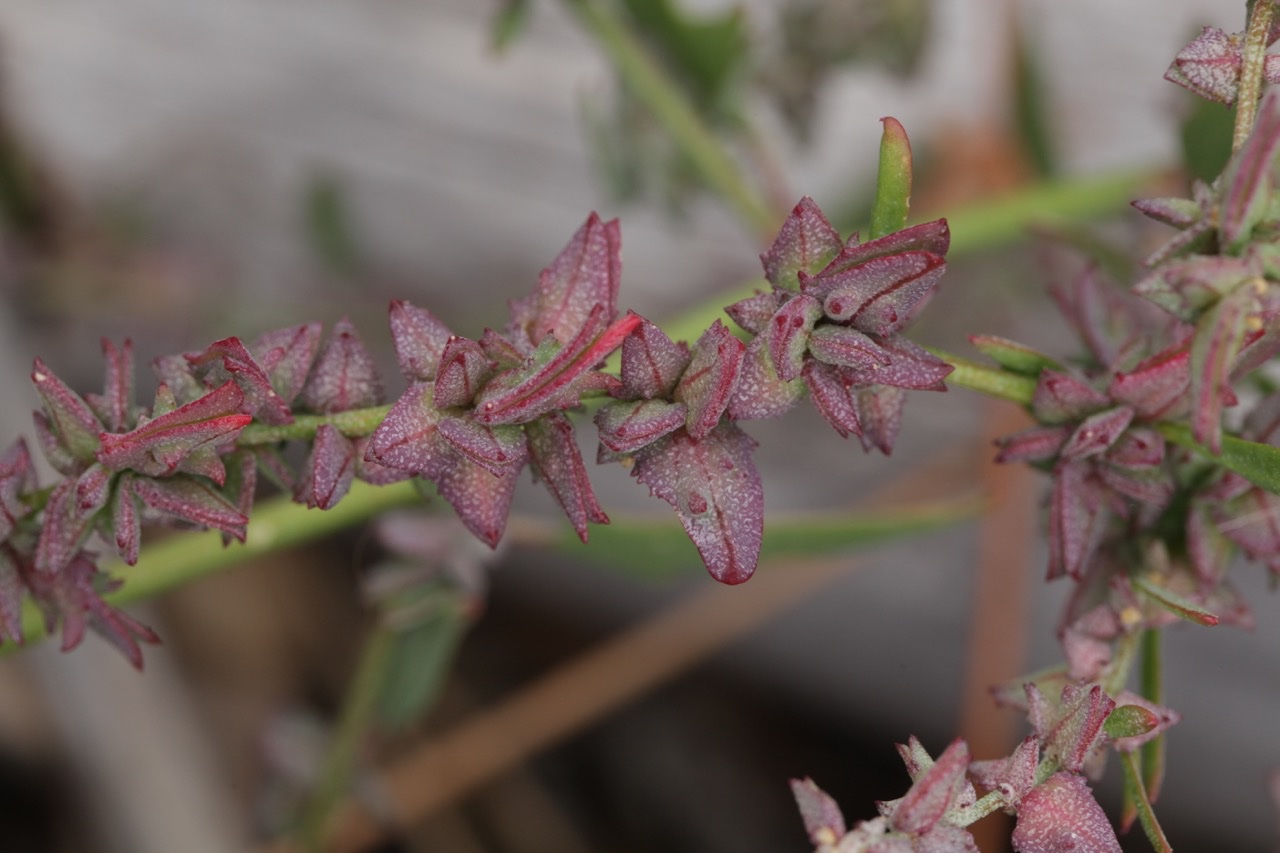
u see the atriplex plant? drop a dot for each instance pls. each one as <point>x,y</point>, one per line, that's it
<point>1152,497</point>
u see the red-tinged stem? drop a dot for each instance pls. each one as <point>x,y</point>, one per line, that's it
<point>1253,57</point>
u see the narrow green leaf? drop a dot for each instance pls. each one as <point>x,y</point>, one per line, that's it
<point>1136,793</point>
<point>656,546</point>
<point>1257,463</point>
<point>893,181</point>
<point>420,660</point>
<point>1129,721</point>
<point>1012,355</point>
<point>1176,604</point>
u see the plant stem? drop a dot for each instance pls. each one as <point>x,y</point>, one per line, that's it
<point>988,380</point>
<point>344,749</point>
<point>352,423</point>
<point>653,87</point>
<point>1253,56</point>
<point>277,525</point>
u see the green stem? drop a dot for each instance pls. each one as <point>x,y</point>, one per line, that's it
<point>352,423</point>
<point>653,87</point>
<point>1153,752</point>
<point>344,750</point>
<point>993,381</point>
<point>1147,817</point>
<point>1253,57</point>
<point>277,525</point>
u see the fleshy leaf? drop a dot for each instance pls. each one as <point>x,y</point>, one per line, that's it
<point>464,368</point>
<point>932,237</point>
<point>408,437</point>
<point>754,313</point>
<point>584,277</point>
<point>1061,814</point>
<point>1076,517</point>
<point>228,359</point>
<point>64,532</point>
<point>481,500</point>
<point>822,818</point>
<point>788,334</point>
<point>880,411</point>
<point>893,180</point>
<point>1178,212</point>
<point>1246,179</point>
<point>625,427</point>
<point>330,467</point>
<point>1011,777</point>
<point>1156,386</point>
<point>70,420</point>
<point>557,462</point>
<point>1219,337</point>
<point>191,500</point>
<point>12,592</point>
<point>1096,433</point>
<point>759,391</point>
<point>17,477</point>
<point>651,363</point>
<point>708,382</point>
<point>909,366</point>
<point>881,295</point>
<point>1037,444</point>
<point>845,346</point>
<point>716,491</point>
<point>1061,397</point>
<point>495,449</point>
<point>344,376</point>
<point>286,356</point>
<point>933,792</point>
<point>419,338</point>
<point>161,446</point>
<point>833,397</point>
<point>115,407</point>
<point>806,242</point>
<point>558,381</point>
<point>1209,65</point>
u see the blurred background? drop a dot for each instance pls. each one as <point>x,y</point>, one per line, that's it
<point>177,172</point>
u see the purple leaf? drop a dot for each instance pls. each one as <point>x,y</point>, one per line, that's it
<point>1219,338</point>
<point>495,449</point>
<point>241,483</point>
<point>1096,433</point>
<point>1061,814</point>
<point>481,500</point>
<point>12,592</point>
<point>627,426</point>
<point>115,406</point>
<point>880,412</point>
<point>805,243</point>
<point>188,499</point>
<point>909,366</point>
<point>464,368</point>
<point>17,477</point>
<point>833,397</point>
<point>558,382</point>
<point>651,363</point>
<point>64,532</point>
<point>228,359</point>
<point>126,521</point>
<point>1178,212</point>
<point>500,351</point>
<point>716,491</point>
<point>286,355</point>
<point>1061,397</point>
<point>1186,287</point>
<point>419,339</point>
<point>1209,65</point>
<point>933,237</point>
<point>70,421</point>
<point>1073,731</point>
<point>1076,519</point>
<point>881,295</point>
<point>759,391</point>
<point>344,376</point>
<point>1155,387</point>
<point>162,446</point>
<point>584,277</point>
<point>822,818</point>
<point>1137,448</point>
<point>933,792</point>
<point>845,346</point>
<point>175,373</point>
<point>73,598</point>
<point>708,382</point>
<point>788,335</point>
<point>329,469</point>
<point>557,462</point>
<point>92,489</point>
<point>1037,444</point>
<point>754,313</point>
<point>408,438</point>
<point>1012,777</point>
